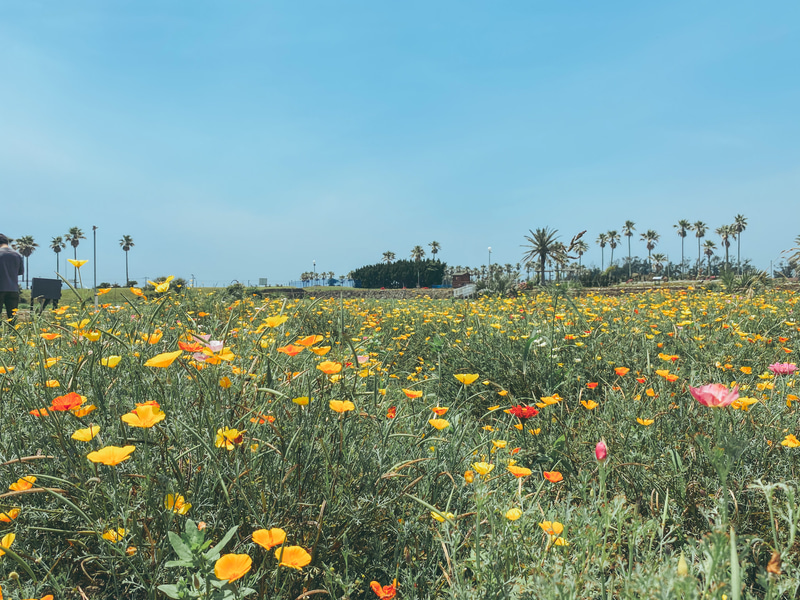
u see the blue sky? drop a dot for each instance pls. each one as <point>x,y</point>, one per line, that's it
<point>238,140</point>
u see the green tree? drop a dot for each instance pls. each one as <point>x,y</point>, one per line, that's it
<point>435,247</point>
<point>650,238</point>
<point>708,249</point>
<point>74,237</point>
<point>57,244</point>
<point>658,260</point>
<point>683,226</point>
<point>388,257</point>
<point>699,229</point>
<point>739,225</point>
<point>627,231</point>
<point>726,232</point>
<point>417,253</point>
<point>126,243</point>
<point>541,244</point>
<point>602,240</point>
<point>613,242</point>
<point>581,248</point>
<point>25,245</point>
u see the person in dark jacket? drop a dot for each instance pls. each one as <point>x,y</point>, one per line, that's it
<point>11,268</point>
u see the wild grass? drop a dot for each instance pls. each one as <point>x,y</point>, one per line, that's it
<point>696,504</point>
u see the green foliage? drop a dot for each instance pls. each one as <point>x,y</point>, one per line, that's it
<point>401,273</point>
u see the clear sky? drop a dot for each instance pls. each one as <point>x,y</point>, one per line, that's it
<point>238,140</point>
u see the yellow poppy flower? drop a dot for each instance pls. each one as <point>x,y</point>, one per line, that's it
<point>466,379</point>
<point>229,438</point>
<point>645,422</point>
<point>589,404</point>
<point>552,527</point>
<point>177,503</point>
<point>86,435</point>
<point>114,535</point>
<point>273,322</point>
<point>439,423</point>
<point>513,514</point>
<point>341,406</point>
<point>111,455</point>
<point>110,361</point>
<point>6,542</point>
<point>163,360</point>
<point>77,263</point>
<point>483,468</point>
<point>144,415</point>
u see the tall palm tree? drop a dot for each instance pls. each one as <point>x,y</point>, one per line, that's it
<point>580,248</point>
<point>726,232</point>
<point>388,257</point>
<point>650,238</point>
<point>417,253</point>
<point>74,237</point>
<point>739,225</point>
<point>601,241</point>
<point>57,244</point>
<point>699,229</point>
<point>683,226</point>
<point>613,241</point>
<point>709,247</point>
<point>435,247</point>
<point>627,231</point>
<point>127,243</point>
<point>541,244</point>
<point>25,246</point>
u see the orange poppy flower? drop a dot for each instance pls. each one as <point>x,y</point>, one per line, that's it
<point>292,556</point>
<point>412,393</point>
<point>66,402</point>
<point>439,423</point>
<point>518,471</point>
<point>25,483</point>
<point>260,419</point>
<point>269,538</point>
<point>83,410</point>
<point>310,340</point>
<point>8,516</point>
<point>290,349</point>
<point>225,383</point>
<point>190,346</point>
<point>440,410</point>
<point>591,385</point>
<point>621,371</point>
<point>553,476</point>
<point>329,367</point>
<point>386,592</point>
<point>137,292</point>
<point>391,413</point>
<point>231,567</point>
<point>39,412</point>
<point>50,336</point>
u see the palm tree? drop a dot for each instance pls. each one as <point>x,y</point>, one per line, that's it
<point>613,241</point>
<point>739,225</point>
<point>602,240</point>
<point>659,260</point>
<point>725,232</point>
<point>417,253</point>
<point>74,237</point>
<point>709,246</point>
<point>683,226</point>
<point>25,246</point>
<point>127,243</point>
<point>388,257</point>
<point>699,229</point>
<point>435,247</point>
<point>627,231</point>
<point>57,244</point>
<point>650,237</point>
<point>541,244</point>
<point>580,248</point>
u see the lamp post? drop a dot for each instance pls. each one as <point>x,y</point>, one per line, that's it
<point>315,271</point>
<point>94,262</point>
<point>490,263</point>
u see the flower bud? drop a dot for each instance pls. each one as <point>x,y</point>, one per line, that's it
<point>601,450</point>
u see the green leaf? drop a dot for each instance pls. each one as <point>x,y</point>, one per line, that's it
<point>180,547</point>
<point>170,590</point>
<point>214,553</point>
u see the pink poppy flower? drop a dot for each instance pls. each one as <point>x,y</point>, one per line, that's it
<point>715,395</point>
<point>601,450</point>
<point>783,368</point>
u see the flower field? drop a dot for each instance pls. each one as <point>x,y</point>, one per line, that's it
<point>546,446</point>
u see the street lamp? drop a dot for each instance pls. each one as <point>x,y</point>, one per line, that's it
<point>94,262</point>
<point>490,262</point>
<point>315,271</point>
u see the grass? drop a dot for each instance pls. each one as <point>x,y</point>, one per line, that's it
<point>691,502</point>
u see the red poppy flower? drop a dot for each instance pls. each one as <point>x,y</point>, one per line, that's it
<point>66,402</point>
<point>290,349</point>
<point>190,346</point>
<point>386,592</point>
<point>390,414</point>
<point>591,385</point>
<point>523,412</point>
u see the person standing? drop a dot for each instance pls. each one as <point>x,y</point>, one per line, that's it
<point>11,268</point>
